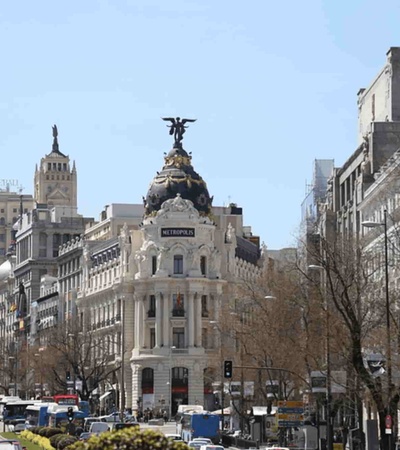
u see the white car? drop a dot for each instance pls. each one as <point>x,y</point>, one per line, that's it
<point>113,417</point>
<point>174,436</point>
<point>205,440</point>
<point>212,447</point>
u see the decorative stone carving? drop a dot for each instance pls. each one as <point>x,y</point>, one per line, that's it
<point>230,236</point>
<point>366,164</point>
<point>177,204</point>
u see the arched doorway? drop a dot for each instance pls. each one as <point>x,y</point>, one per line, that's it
<point>179,388</point>
<point>147,399</point>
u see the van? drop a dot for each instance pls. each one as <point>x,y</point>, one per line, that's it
<point>87,421</point>
<point>98,427</point>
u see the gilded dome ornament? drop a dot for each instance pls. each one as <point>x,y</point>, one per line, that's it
<point>178,177</point>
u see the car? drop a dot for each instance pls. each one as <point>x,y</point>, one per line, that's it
<point>205,440</point>
<point>18,425</point>
<point>212,447</point>
<point>174,436</point>
<point>195,444</point>
<point>11,444</point>
<point>116,426</point>
<point>85,436</point>
<point>98,427</point>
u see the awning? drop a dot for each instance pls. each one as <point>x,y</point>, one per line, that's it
<point>227,411</point>
<point>102,397</point>
<point>263,410</point>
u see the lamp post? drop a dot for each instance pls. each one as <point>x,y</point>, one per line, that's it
<point>14,372</point>
<point>329,423</point>
<point>221,357</point>
<point>371,224</point>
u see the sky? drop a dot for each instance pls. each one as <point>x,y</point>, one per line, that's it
<point>273,86</point>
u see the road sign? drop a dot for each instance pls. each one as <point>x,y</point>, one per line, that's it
<point>290,414</point>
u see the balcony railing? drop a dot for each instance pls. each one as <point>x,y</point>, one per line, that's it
<point>151,313</point>
<point>178,313</point>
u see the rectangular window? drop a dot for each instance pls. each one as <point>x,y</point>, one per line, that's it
<point>2,210</point>
<point>152,337</point>
<point>178,305</point>
<point>178,264</point>
<point>152,306</point>
<point>178,337</point>
<point>14,210</point>
<point>204,338</point>
<point>2,237</point>
<point>203,265</point>
<point>48,166</point>
<point>204,309</point>
<point>153,265</point>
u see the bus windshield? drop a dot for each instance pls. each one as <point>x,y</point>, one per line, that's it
<point>15,410</point>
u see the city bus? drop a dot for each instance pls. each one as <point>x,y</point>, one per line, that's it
<point>58,417</point>
<point>16,410</point>
<point>196,425</point>
<point>5,399</point>
<point>36,415</point>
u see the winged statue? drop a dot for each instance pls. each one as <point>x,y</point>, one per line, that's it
<point>177,127</point>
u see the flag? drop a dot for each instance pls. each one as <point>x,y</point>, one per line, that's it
<point>179,301</point>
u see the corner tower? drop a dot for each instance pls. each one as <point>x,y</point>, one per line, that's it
<point>55,181</point>
<point>178,288</point>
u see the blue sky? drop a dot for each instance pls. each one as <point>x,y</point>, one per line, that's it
<point>272,84</point>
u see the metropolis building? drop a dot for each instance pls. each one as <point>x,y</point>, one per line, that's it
<point>147,281</point>
<point>159,284</point>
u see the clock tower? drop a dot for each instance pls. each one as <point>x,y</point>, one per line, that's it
<point>55,181</point>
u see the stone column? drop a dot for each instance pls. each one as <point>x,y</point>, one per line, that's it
<point>191,320</point>
<point>166,329</point>
<point>158,321</point>
<point>141,322</point>
<point>136,391</point>
<point>197,309</point>
<point>136,329</point>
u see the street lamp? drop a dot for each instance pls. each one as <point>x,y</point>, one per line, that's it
<point>370,224</point>
<point>216,327</point>
<point>329,424</point>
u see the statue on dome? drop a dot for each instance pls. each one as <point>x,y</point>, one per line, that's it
<point>55,131</point>
<point>177,128</point>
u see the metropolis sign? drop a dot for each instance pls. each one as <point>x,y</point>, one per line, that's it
<point>177,232</point>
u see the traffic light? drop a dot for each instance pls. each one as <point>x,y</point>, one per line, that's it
<point>68,375</point>
<point>70,414</point>
<point>228,366</point>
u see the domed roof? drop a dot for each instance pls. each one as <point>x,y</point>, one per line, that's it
<point>5,270</point>
<point>178,177</point>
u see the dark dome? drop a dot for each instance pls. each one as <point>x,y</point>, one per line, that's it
<point>178,177</point>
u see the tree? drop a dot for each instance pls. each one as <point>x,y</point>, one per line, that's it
<point>352,287</point>
<point>86,356</point>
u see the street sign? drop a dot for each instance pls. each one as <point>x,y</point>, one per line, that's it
<point>290,414</point>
